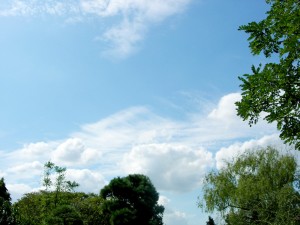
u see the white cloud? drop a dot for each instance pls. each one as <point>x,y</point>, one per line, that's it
<point>36,8</point>
<point>27,169</point>
<point>175,154</point>
<point>163,200</point>
<point>226,110</point>
<point>89,181</point>
<point>119,132</point>
<point>17,190</point>
<point>2,174</point>
<point>36,151</point>
<point>175,218</point>
<point>137,17</point>
<point>228,153</point>
<point>172,167</point>
<point>73,151</point>
<point>171,216</point>
<point>134,17</point>
<point>123,38</point>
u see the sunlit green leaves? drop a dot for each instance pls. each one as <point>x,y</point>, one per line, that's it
<point>258,187</point>
<point>273,89</point>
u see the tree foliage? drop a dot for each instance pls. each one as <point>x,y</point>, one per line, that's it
<point>60,184</point>
<point>210,221</point>
<point>6,212</point>
<point>56,205</point>
<point>131,200</point>
<point>274,88</point>
<point>261,187</point>
<point>74,208</point>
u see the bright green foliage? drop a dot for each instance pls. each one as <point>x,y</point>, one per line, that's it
<point>73,209</point>
<point>90,208</point>
<point>6,212</point>
<point>58,204</point>
<point>65,215</point>
<point>275,87</point>
<point>261,187</point>
<point>131,200</point>
<point>30,209</point>
<point>60,184</point>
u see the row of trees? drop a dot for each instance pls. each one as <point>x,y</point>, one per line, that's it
<point>260,186</point>
<point>124,201</point>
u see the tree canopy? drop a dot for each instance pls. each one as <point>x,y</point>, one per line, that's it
<point>74,208</point>
<point>58,204</point>
<point>131,200</point>
<point>210,221</point>
<point>6,213</point>
<point>258,187</point>
<point>274,88</point>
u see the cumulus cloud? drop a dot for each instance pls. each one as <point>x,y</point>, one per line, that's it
<point>226,109</point>
<point>171,167</point>
<point>175,154</point>
<point>27,169</point>
<point>163,200</point>
<point>73,151</point>
<point>89,181</point>
<point>134,17</point>
<point>228,153</point>
<point>174,217</point>
<point>17,190</point>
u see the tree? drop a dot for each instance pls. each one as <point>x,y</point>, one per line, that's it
<point>6,213</point>
<point>30,209</point>
<point>90,208</point>
<point>54,205</point>
<point>210,221</point>
<point>131,200</point>
<point>274,88</point>
<point>258,187</point>
<point>65,215</point>
<point>61,184</point>
<point>73,208</point>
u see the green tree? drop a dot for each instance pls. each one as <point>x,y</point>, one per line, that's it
<point>258,187</point>
<point>44,207</point>
<point>30,209</point>
<point>60,184</point>
<point>131,200</point>
<point>75,207</point>
<point>90,208</point>
<point>275,87</point>
<point>65,215</point>
<point>6,211</point>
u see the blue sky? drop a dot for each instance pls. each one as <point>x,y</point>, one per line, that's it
<point>112,87</point>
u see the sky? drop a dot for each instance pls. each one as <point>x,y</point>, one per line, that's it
<point>109,88</point>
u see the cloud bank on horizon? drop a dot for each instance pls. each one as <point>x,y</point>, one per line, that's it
<point>133,17</point>
<point>175,154</point>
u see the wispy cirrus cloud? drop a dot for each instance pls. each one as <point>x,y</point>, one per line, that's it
<point>134,17</point>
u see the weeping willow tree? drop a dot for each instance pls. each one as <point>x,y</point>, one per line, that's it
<point>258,187</point>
